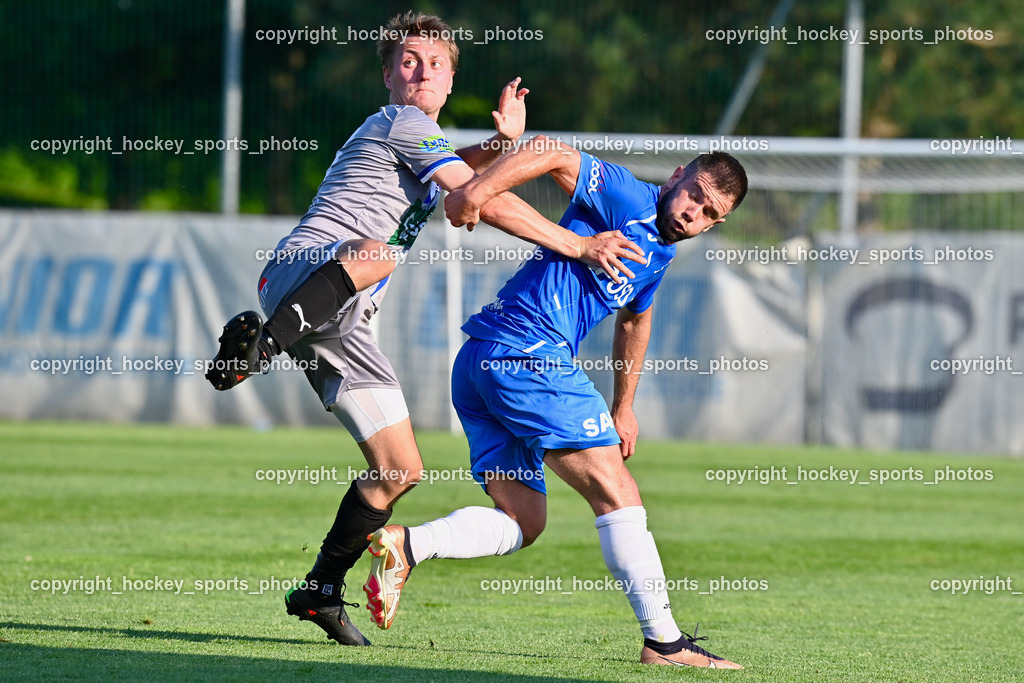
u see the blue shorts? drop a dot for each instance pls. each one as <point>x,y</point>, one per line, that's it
<point>514,407</point>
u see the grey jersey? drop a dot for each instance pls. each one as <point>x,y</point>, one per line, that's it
<point>379,185</point>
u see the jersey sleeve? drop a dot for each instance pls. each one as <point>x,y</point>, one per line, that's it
<point>608,192</point>
<point>645,297</point>
<point>419,143</point>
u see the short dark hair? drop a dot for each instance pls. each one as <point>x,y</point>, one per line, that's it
<point>726,173</point>
<point>415,24</point>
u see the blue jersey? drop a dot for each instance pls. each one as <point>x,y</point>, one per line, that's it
<point>550,304</point>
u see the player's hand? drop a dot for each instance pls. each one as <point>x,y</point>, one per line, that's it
<point>628,429</point>
<point>607,250</point>
<point>510,119</point>
<point>460,211</point>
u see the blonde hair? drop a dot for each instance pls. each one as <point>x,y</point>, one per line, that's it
<point>415,24</point>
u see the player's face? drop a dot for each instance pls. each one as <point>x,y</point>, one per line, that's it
<point>421,75</point>
<point>689,207</point>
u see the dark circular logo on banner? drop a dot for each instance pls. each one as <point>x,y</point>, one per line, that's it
<point>913,290</point>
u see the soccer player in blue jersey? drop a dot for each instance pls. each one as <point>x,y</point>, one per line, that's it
<point>523,403</point>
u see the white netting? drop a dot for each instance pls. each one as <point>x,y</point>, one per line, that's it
<point>968,185</point>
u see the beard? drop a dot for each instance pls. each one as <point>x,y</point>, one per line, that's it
<point>664,220</point>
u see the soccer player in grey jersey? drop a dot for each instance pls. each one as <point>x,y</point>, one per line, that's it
<point>332,271</point>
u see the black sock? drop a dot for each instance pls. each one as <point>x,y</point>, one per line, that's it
<point>665,648</point>
<point>316,301</point>
<point>345,542</point>
<point>407,549</point>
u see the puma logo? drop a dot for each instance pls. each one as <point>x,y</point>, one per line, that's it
<point>302,318</point>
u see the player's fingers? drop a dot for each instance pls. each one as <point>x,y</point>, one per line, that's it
<point>625,252</point>
<point>620,266</point>
<point>629,244</point>
<point>455,218</point>
<point>620,239</point>
<point>611,271</point>
<point>523,92</point>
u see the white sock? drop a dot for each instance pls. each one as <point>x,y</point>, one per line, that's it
<point>632,557</point>
<point>468,532</point>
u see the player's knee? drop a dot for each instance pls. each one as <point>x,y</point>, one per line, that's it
<point>533,535</point>
<point>388,484</point>
<point>366,261</point>
<point>400,479</point>
<point>531,526</point>
<point>411,476</point>
<point>526,506</point>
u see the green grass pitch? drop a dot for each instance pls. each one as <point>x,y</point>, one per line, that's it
<point>827,580</point>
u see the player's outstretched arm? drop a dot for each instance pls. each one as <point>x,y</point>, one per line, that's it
<point>538,157</point>
<point>509,213</point>
<point>485,197</point>
<point>629,345</point>
<point>606,250</point>
<point>509,121</point>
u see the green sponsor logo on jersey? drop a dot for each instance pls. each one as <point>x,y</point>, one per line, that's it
<point>411,222</point>
<point>436,143</point>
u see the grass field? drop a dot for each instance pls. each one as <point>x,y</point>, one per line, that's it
<point>838,576</point>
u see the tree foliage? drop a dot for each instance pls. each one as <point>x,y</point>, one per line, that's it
<point>145,70</point>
